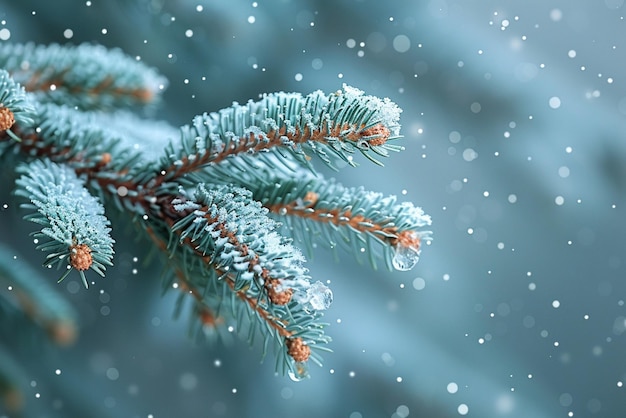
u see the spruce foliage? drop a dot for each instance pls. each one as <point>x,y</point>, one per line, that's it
<point>225,198</point>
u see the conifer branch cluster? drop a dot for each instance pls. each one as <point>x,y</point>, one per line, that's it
<point>225,198</point>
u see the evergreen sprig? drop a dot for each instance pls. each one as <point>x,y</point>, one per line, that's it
<point>239,247</point>
<point>223,202</point>
<point>331,127</point>
<point>318,210</point>
<point>75,232</point>
<point>85,76</point>
<point>14,105</point>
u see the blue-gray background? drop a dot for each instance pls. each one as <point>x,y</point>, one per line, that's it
<point>515,126</point>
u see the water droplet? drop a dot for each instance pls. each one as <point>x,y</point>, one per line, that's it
<point>405,258</point>
<point>294,376</point>
<point>299,372</point>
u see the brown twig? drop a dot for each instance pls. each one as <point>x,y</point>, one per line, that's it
<point>407,238</point>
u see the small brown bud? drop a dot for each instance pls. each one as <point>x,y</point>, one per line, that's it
<point>277,297</point>
<point>381,130</point>
<point>80,257</point>
<point>7,119</point>
<point>105,159</point>
<point>297,349</point>
<point>408,239</point>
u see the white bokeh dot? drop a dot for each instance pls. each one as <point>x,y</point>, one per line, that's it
<point>556,15</point>
<point>452,387</point>
<point>554,102</point>
<point>419,283</point>
<point>401,43</point>
<point>5,34</point>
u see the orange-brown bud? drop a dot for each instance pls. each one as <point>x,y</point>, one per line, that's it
<point>80,257</point>
<point>380,130</point>
<point>7,118</point>
<point>297,349</point>
<point>277,297</point>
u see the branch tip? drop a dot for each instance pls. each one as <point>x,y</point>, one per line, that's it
<point>408,239</point>
<point>7,118</point>
<point>298,349</point>
<point>80,257</point>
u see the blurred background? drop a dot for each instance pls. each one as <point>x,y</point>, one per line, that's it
<point>515,133</point>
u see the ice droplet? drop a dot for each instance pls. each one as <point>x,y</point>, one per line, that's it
<point>319,296</point>
<point>299,372</point>
<point>405,258</point>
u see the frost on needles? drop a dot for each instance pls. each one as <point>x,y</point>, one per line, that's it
<point>228,199</point>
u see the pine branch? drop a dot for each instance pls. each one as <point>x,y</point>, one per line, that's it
<point>260,272</point>
<point>332,127</point>
<point>357,218</point>
<point>365,223</point>
<point>75,232</point>
<point>14,106</point>
<point>84,76</point>
<point>82,140</point>
<point>209,202</point>
<point>108,148</point>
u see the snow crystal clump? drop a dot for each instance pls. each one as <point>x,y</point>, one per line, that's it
<point>315,297</point>
<point>387,112</point>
